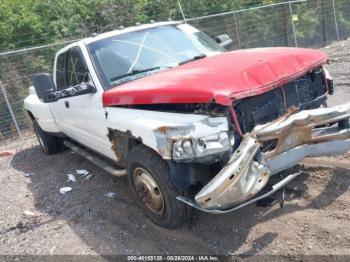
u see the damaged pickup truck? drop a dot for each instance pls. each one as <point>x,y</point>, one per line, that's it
<point>191,125</point>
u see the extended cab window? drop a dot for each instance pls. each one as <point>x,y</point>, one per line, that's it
<point>77,71</point>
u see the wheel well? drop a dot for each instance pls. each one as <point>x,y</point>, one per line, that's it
<point>122,143</point>
<point>31,115</point>
<point>188,175</point>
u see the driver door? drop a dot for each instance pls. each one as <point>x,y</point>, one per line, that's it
<point>71,112</point>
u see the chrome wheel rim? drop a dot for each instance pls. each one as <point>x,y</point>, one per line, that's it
<point>149,191</point>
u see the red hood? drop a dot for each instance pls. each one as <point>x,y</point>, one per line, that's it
<point>220,78</point>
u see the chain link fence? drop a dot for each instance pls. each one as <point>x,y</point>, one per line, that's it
<point>311,23</point>
<point>16,70</point>
<point>301,23</point>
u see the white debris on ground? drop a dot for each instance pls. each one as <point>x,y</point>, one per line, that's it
<point>111,194</point>
<point>28,174</point>
<point>71,178</point>
<point>89,176</point>
<point>64,190</point>
<point>82,172</point>
<point>28,213</point>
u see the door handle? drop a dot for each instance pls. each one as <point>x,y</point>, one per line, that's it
<point>66,104</point>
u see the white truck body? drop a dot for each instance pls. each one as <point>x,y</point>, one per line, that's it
<point>213,131</point>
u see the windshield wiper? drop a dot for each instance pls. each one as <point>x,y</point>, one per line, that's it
<point>134,72</point>
<point>197,57</point>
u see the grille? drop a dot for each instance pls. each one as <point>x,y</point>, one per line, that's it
<point>305,89</point>
<point>305,92</point>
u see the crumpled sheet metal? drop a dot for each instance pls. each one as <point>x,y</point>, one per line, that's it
<point>298,129</point>
<point>246,174</point>
<point>240,179</point>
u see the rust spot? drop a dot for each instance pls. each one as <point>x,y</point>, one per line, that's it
<point>117,151</point>
<point>122,142</point>
<point>164,129</point>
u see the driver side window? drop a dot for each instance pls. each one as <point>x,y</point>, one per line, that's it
<point>77,71</point>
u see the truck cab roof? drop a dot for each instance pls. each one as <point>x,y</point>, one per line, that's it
<point>135,28</point>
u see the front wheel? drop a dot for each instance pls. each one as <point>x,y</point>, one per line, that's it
<point>149,176</point>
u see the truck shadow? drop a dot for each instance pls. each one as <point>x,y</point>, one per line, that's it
<point>118,226</point>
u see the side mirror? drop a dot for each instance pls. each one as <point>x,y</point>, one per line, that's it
<point>44,87</point>
<point>82,89</point>
<point>46,90</point>
<point>224,41</point>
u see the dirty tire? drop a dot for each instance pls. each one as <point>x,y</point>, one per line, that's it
<point>175,213</point>
<point>48,143</point>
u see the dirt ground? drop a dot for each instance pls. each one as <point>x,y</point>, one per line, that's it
<point>314,221</point>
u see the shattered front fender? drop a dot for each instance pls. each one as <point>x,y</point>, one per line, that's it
<point>155,129</point>
<point>297,135</point>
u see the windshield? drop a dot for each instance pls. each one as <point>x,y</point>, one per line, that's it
<point>122,58</point>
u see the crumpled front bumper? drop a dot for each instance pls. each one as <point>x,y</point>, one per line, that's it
<point>297,135</point>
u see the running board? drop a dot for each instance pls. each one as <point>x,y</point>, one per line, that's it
<point>95,160</point>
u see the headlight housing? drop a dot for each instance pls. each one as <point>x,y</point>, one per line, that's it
<point>200,147</point>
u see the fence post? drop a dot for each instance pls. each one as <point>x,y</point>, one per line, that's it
<point>336,20</point>
<point>293,24</point>
<point>324,22</point>
<point>285,25</point>
<point>11,111</point>
<point>236,31</point>
<point>182,11</point>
